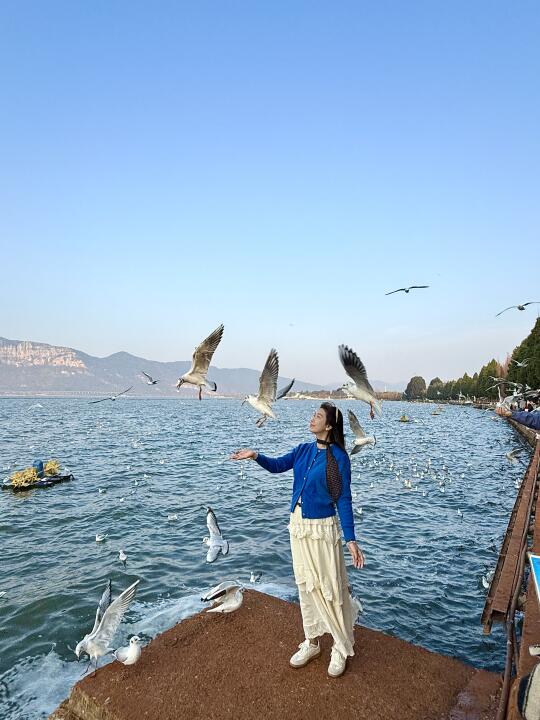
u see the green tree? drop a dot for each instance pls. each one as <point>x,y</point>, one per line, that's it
<point>435,389</point>
<point>416,389</point>
<point>528,350</point>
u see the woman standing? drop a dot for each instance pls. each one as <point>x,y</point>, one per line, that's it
<point>322,482</point>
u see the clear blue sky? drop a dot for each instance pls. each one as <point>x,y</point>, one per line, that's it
<point>278,167</point>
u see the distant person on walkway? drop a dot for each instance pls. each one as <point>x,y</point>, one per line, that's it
<point>322,483</point>
<point>529,419</point>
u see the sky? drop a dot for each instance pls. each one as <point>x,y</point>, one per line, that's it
<point>278,167</point>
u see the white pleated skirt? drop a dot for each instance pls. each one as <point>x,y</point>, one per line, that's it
<point>321,575</point>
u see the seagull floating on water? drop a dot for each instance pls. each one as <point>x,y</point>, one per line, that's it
<point>215,542</point>
<point>360,437</point>
<point>228,595</point>
<point>407,289</point>
<point>268,393</point>
<point>512,456</point>
<point>122,557</point>
<point>130,654</point>
<point>149,379</point>
<point>519,307</point>
<point>101,538</point>
<point>111,397</point>
<point>255,577</point>
<point>360,387</point>
<point>202,357</point>
<point>108,617</point>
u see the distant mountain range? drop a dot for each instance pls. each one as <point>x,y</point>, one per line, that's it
<point>29,368</point>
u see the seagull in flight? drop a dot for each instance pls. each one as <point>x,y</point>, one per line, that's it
<point>149,379</point>
<point>360,438</point>
<point>407,289</point>
<point>202,357</point>
<point>521,363</point>
<point>519,307</point>
<point>111,397</point>
<point>228,596</point>
<point>512,456</point>
<point>360,387</point>
<point>108,617</point>
<point>268,392</point>
<point>130,654</point>
<point>215,542</point>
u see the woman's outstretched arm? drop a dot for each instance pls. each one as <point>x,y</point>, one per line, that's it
<point>273,465</point>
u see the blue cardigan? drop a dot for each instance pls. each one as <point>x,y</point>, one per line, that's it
<point>529,419</point>
<point>309,467</point>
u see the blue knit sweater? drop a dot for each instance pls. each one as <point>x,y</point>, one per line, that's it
<point>309,467</point>
<point>529,419</point>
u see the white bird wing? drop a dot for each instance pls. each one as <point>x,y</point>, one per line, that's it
<point>395,291</point>
<point>213,527</point>
<point>354,367</point>
<point>213,552</point>
<point>93,402</point>
<point>104,603</point>
<point>355,426</point>
<point>505,309</point>
<point>531,302</point>
<point>113,616</point>
<point>121,654</point>
<point>269,377</point>
<point>284,390</point>
<point>202,355</point>
<point>220,590</point>
<point>124,391</point>
<point>146,375</point>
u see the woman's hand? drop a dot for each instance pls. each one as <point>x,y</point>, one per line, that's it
<point>356,553</point>
<point>244,454</point>
<point>503,412</point>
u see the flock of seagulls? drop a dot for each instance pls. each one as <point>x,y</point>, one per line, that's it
<point>227,596</point>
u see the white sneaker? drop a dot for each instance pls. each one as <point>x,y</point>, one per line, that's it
<point>306,653</point>
<point>337,663</point>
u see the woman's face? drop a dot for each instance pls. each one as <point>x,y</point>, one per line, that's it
<point>318,422</point>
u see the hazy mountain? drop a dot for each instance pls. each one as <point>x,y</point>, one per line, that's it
<point>29,367</point>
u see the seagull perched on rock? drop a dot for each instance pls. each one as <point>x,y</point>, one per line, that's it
<point>149,379</point>
<point>360,437</point>
<point>519,307</point>
<point>360,387</point>
<point>228,596</point>
<point>202,357</point>
<point>108,617</point>
<point>268,393</point>
<point>111,397</point>
<point>407,289</point>
<point>130,654</point>
<point>215,542</point>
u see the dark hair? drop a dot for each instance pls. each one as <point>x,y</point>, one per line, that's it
<point>334,418</point>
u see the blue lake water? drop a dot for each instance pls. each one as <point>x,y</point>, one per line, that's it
<point>424,561</point>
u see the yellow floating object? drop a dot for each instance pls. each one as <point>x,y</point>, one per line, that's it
<point>52,467</point>
<point>24,477</point>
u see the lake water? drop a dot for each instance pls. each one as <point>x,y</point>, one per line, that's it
<point>424,561</point>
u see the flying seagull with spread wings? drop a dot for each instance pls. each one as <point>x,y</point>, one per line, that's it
<point>407,289</point>
<point>97,643</point>
<point>360,387</point>
<point>268,392</point>
<point>519,307</point>
<point>202,357</point>
<point>111,397</point>
<point>216,543</point>
<point>360,437</point>
<point>149,379</point>
<point>521,363</point>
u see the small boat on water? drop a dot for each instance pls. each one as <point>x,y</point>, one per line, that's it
<point>39,475</point>
<point>404,418</point>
